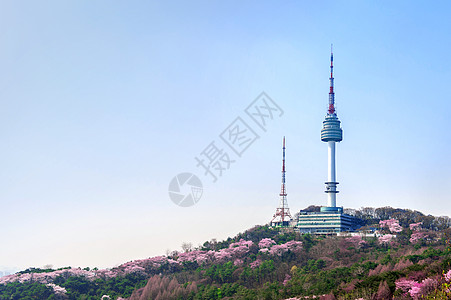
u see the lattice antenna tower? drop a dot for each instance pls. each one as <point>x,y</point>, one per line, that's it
<point>282,217</point>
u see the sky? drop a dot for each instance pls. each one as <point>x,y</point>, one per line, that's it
<point>103,103</point>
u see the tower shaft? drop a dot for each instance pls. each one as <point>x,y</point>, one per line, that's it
<point>331,184</point>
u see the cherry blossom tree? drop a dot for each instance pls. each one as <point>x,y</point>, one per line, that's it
<point>255,264</point>
<point>266,243</point>
<point>392,224</point>
<point>448,276</point>
<point>415,226</point>
<point>386,238</point>
<point>417,236</point>
<point>404,284</point>
<point>294,246</point>
<point>57,289</point>
<point>415,289</point>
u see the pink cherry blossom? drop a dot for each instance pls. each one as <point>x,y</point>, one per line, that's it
<point>241,243</point>
<point>278,249</point>
<point>266,243</point>
<point>255,264</point>
<point>293,246</point>
<point>238,249</point>
<point>417,236</point>
<point>57,289</point>
<point>415,226</point>
<point>194,256</point>
<point>392,224</point>
<point>222,254</point>
<point>404,284</point>
<point>415,291</point>
<point>105,273</point>
<point>448,276</point>
<point>8,278</point>
<point>386,238</point>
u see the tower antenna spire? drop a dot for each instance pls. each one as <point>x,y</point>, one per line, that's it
<point>282,217</point>
<point>331,109</point>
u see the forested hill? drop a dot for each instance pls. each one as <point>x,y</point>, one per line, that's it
<point>408,257</point>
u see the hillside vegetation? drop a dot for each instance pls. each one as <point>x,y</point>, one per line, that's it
<point>409,258</point>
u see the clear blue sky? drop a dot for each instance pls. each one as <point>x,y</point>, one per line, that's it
<point>102,103</point>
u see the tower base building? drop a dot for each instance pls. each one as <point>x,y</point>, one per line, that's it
<point>326,221</point>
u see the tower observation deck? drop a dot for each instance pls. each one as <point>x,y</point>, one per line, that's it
<point>331,133</point>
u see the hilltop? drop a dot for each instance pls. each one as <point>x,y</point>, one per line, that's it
<point>408,256</point>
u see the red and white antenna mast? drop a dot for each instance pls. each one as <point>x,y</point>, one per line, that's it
<point>282,217</point>
<point>331,109</point>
